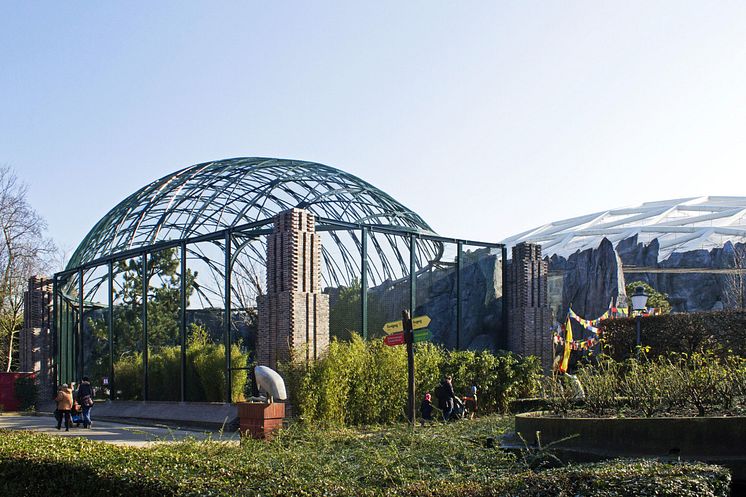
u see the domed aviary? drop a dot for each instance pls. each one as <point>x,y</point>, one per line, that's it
<point>209,197</point>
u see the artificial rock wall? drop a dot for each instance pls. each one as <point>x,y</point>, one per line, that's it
<point>294,314</point>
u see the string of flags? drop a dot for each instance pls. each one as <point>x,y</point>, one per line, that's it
<point>584,344</point>
<point>562,335</point>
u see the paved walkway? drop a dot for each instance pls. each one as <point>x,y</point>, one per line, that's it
<point>114,433</point>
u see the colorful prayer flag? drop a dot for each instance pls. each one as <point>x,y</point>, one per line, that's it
<point>568,345</point>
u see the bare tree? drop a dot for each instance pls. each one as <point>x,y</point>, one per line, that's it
<point>735,281</point>
<point>23,253</point>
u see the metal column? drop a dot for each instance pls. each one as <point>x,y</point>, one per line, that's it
<point>227,324</point>
<point>412,274</point>
<point>79,361</point>
<point>110,325</point>
<point>364,282</point>
<point>459,302</point>
<point>144,275</point>
<point>182,322</point>
<point>502,342</point>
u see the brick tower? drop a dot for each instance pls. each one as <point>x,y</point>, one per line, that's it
<point>294,314</point>
<point>36,346</point>
<point>528,311</point>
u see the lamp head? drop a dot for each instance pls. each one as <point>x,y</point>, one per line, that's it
<point>639,299</point>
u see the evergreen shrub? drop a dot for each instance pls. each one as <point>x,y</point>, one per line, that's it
<point>722,332</point>
<point>365,382</point>
<point>205,374</point>
<point>676,384</point>
<point>393,462</point>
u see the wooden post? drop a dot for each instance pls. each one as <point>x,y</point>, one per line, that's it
<point>409,340</point>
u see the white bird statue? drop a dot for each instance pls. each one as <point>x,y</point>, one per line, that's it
<point>270,382</point>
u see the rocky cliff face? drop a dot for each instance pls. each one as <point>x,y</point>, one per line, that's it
<point>693,280</point>
<point>481,287</point>
<point>592,279</point>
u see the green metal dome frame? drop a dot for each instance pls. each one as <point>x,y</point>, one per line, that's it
<point>212,219</point>
<point>227,194</point>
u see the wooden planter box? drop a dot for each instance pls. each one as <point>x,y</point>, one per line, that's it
<point>260,420</point>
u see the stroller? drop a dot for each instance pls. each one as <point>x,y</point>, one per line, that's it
<point>459,409</point>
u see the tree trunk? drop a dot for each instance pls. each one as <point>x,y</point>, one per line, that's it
<point>10,352</point>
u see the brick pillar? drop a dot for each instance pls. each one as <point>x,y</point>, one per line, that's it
<point>528,311</point>
<point>294,314</point>
<point>35,344</point>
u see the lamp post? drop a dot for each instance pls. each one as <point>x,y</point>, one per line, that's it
<point>639,300</point>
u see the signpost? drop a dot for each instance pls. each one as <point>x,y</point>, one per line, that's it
<point>397,326</point>
<point>394,339</point>
<point>393,327</point>
<point>422,335</point>
<point>403,332</point>
<point>420,322</point>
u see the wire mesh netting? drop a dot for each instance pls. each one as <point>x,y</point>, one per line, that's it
<point>437,295</point>
<point>482,305</point>
<point>178,308</point>
<point>128,331</point>
<point>95,337</point>
<point>389,286</point>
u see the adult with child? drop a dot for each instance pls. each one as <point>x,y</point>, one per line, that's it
<point>85,399</point>
<point>446,397</point>
<point>64,401</point>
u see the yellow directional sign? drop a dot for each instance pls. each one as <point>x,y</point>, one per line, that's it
<point>393,327</point>
<point>397,326</point>
<point>420,322</point>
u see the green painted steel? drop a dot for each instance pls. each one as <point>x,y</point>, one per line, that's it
<point>368,239</point>
<point>206,198</point>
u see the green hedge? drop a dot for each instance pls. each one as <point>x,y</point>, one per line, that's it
<point>205,381</point>
<point>685,333</point>
<point>365,382</point>
<point>626,478</point>
<point>441,461</point>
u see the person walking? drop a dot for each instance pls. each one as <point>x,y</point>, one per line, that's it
<point>64,401</point>
<point>446,397</point>
<point>85,399</point>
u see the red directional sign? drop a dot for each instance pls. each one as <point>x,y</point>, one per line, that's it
<point>394,339</point>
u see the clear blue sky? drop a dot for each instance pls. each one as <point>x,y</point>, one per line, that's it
<point>487,118</point>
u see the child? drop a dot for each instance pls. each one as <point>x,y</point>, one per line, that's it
<point>471,402</point>
<point>426,408</point>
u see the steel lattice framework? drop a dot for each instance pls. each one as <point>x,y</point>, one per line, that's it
<point>233,193</point>
<point>679,225</point>
<point>199,236</point>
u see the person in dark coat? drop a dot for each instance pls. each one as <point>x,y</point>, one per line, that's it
<point>85,399</point>
<point>426,408</point>
<point>446,397</point>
